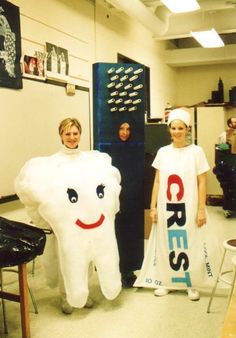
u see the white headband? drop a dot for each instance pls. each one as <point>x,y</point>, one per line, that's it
<point>179,114</point>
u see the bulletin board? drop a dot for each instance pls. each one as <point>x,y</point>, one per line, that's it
<point>29,125</point>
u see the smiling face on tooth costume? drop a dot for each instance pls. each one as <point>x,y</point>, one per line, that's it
<point>79,197</point>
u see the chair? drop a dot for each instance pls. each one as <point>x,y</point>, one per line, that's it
<point>229,245</point>
<point>3,302</point>
<point>20,244</point>
<point>21,298</point>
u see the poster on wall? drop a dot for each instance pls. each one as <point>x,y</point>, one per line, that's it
<point>57,65</point>
<point>10,46</point>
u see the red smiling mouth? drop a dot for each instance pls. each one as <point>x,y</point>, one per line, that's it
<point>92,225</point>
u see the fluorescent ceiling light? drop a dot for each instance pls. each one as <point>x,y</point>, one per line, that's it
<point>181,6</point>
<point>208,39</point>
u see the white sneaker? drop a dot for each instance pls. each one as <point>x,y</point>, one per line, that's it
<point>161,291</point>
<point>193,294</point>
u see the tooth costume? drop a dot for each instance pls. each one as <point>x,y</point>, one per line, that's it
<point>76,193</point>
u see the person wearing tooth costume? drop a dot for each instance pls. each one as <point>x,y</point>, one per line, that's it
<point>182,252</point>
<point>76,194</point>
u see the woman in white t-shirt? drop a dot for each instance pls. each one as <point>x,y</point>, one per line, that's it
<point>178,208</point>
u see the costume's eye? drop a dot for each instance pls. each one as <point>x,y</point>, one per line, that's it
<point>72,195</point>
<point>100,190</point>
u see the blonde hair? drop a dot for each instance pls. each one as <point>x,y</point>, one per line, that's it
<point>68,123</point>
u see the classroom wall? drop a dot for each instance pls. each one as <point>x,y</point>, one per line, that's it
<point>195,84</point>
<point>92,32</point>
<point>67,24</point>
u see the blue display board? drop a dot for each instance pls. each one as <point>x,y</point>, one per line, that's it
<point>118,113</point>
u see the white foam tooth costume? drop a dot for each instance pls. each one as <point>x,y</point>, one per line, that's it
<point>78,197</point>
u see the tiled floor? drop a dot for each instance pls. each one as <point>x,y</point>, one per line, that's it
<point>136,313</point>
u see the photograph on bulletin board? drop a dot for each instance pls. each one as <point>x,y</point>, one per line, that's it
<point>57,65</point>
<point>10,46</point>
<point>34,67</point>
